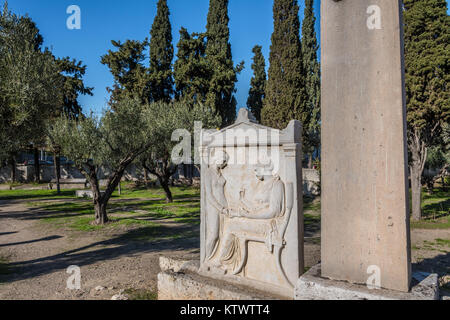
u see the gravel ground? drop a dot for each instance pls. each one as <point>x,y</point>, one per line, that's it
<point>39,257</point>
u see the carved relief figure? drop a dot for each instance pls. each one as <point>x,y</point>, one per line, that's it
<point>216,202</point>
<point>263,218</point>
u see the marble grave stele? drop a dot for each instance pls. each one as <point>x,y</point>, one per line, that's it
<point>251,203</point>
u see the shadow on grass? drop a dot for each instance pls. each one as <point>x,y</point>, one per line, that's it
<point>435,212</point>
<point>311,225</point>
<point>69,209</point>
<point>311,204</point>
<point>35,194</point>
<point>75,215</point>
<point>437,209</point>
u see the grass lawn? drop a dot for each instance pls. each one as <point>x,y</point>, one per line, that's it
<point>440,245</point>
<point>147,208</point>
<point>143,210</point>
<point>35,194</point>
<point>435,211</point>
<point>141,294</point>
<point>311,204</point>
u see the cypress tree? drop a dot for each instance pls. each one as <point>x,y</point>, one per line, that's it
<point>126,64</point>
<point>427,55</point>
<point>285,91</point>
<point>218,53</point>
<point>161,55</point>
<point>191,71</point>
<point>257,84</point>
<point>311,68</point>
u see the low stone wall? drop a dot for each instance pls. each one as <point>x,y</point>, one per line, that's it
<point>311,178</point>
<point>26,173</point>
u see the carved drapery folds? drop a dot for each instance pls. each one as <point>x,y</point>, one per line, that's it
<point>252,221</point>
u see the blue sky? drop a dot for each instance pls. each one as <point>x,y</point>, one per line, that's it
<point>105,20</point>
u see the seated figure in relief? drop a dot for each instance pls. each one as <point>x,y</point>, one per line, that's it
<point>256,219</point>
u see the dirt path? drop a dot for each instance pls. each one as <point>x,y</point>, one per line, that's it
<point>39,257</point>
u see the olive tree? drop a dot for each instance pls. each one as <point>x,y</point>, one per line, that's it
<point>112,143</point>
<point>30,86</point>
<point>176,121</point>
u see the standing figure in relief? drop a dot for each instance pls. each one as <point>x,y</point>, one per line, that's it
<point>216,203</point>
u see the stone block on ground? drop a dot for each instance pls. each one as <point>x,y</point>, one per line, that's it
<point>312,286</point>
<point>189,284</point>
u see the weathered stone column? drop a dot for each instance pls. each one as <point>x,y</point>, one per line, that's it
<point>365,215</point>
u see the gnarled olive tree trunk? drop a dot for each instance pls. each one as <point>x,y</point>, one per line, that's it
<point>100,198</point>
<point>57,166</point>
<point>163,173</point>
<point>12,162</point>
<point>418,151</point>
<point>37,167</point>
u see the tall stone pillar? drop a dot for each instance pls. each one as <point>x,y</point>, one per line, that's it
<point>365,214</point>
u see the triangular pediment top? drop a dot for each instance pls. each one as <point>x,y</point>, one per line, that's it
<point>247,126</point>
<point>245,120</point>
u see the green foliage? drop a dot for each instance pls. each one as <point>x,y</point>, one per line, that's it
<point>436,159</point>
<point>137,209</point>
<point>257,84</point>
<point>191,70</point>
<point>141,294</point>
<point>445,146</point>
<point>34,85</point>
<point>221,89</point>
<point>126,64</point>
<point>23,194</point>
<point>427,55</point>
<point>311,68</point>
<point>436,211</point>
<point>29,84</point>
<point>120,134</point>
<point>161,55</point>
<point>129,130</point>
<point>427,75</point>
<point>174,116</point>
<point>73,86</point>
<point>286,97</point>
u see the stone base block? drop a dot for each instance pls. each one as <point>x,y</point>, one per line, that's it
<point>311,286</point>
<point>182,280</point>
